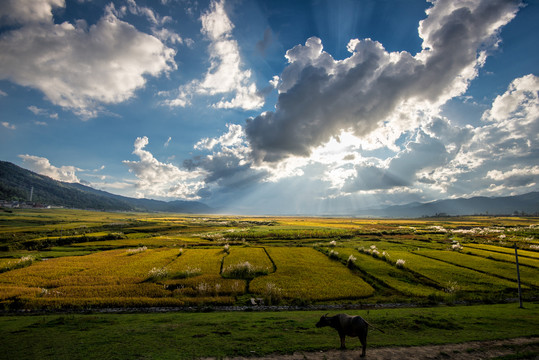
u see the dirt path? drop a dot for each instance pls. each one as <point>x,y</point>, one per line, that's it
<point>465,351</point>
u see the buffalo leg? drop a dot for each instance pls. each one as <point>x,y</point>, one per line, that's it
<point>343,336</point>
<point>363,340</point>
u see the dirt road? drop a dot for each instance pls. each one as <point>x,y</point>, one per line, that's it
<point>526,348</point>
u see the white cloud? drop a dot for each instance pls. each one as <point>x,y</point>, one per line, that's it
<point>225,75</point>
<point>3,93</point>
<point>9,126</point>
<point>80,68</point>
<point>42,112</point>
<point>157,22</point>
<point>161,179</point>
<point>321,96</point>
<point>518,106</point>
<point>499,157</point>
<point>43,166</point>
<point>167,142</point>
<point>28,11</point>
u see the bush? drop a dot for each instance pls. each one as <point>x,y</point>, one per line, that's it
<point>272,294</point>
<point>157,273</point>
<point>187,273</point>
<point>243,270</point>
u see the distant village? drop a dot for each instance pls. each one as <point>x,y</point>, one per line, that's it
<point>15,204</point>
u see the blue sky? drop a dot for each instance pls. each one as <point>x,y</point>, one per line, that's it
<point>274,107</point>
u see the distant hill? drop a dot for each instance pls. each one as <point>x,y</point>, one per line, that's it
<point>16,182</point>
<point>506,205</point>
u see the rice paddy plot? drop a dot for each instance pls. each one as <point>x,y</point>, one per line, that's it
<point>452,278</point>
<point>393,277</point>
<point>253,257</point>
<point>504,270</point>
<point>510,258</point>
<point>196,272</point>
<point>103,268</point>
<point>505,250</point>
<point>306,274</point>
<point>161,241</point>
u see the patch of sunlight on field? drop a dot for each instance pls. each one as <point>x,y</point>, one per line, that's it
<point>160,241</point>
<point>304,273</point>
<point>103,268</point>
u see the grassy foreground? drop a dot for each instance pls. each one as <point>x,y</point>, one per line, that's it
<point>217,334</point>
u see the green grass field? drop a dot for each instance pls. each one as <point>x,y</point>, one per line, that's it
<point>182,335</point>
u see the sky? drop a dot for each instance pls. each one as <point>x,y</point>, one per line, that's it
<point>274,106</point>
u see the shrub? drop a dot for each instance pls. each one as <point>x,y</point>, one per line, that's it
<point>187,273</point>
<point>243,270</point>
<point>157,273</point>
<point>334,255</point>
<point>226,248</point>
<point>452,287</point>
<point>351,262</point>
<point>272,294</point>
<point>137,250</point>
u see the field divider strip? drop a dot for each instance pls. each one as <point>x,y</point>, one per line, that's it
<point>269,257</point>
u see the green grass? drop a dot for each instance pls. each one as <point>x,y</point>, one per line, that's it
<point>194,335</point>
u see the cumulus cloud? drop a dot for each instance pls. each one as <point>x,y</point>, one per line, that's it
<point>28,11</point>
<point>43,166</point>
<point>423,154</point>
<point>76,66</point>
<point>161,179</point>
<point>516,177</point>
<point>225,75</point>
<point>319,96</point>
<point>227,164</point>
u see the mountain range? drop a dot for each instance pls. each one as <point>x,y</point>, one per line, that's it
<point>16,184</point>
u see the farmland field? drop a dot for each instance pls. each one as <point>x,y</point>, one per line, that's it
<point>71,259</point>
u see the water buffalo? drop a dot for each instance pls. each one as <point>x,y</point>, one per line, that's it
<point>348,325</point>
